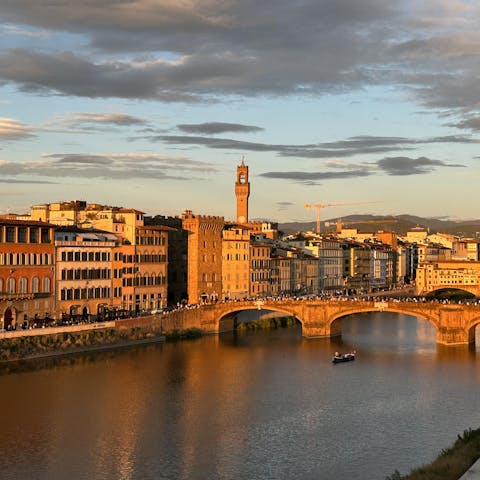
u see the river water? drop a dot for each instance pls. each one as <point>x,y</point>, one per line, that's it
<point>262,405</point>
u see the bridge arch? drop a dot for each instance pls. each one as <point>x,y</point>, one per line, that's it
<point>453,292</point>
<point>336,324</point>
<point>471,328</point>
<point>402,311</point>
<point>230,314</point>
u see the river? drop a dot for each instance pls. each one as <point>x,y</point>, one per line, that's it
<point>261,405</point>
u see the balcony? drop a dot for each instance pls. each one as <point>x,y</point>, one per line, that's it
<point>23,296</point>
<point>16,296</point>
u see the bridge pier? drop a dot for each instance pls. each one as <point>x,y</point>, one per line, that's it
<point>320,331</point>
<point>452,328</point>
<point>455,336</point>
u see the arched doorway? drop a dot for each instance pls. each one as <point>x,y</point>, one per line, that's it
<point>8,319</point>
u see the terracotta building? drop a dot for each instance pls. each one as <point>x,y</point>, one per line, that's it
<point>138,257</point>
<point>204,277</point>
<point>177,257</point>
<point>27,269</point>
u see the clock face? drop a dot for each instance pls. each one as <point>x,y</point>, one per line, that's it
<point>242,178</point>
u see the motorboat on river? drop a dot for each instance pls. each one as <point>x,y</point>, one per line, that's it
<point>340,358</point>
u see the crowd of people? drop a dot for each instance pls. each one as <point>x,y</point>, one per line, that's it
<point>394,296</point>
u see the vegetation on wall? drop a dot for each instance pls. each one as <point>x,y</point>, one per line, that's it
<point>19,348</point>
<point>267,324</point>
<point>452,463</point>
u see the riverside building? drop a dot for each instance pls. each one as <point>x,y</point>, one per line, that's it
<point>235,263</point>
<point>121,221</point>
<point>84,273</point>
<point>27,272</point>
<point>463,275</point>
<point>204,277</point>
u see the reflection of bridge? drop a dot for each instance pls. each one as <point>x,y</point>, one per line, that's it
<point>455,323</point>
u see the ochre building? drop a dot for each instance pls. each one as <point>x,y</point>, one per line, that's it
<point>462,275</point>
<point>236,263</point>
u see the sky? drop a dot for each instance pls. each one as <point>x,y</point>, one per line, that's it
<point>152,104</point>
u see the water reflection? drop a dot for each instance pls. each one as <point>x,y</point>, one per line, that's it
<point>390,332</point>
<point>256,405</point>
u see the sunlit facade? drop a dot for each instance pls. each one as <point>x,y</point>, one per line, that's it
<point>27,272</point>
<point>235,263</point>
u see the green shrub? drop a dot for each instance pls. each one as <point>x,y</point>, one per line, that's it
<point>452,463</point>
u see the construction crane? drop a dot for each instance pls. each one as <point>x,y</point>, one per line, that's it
<point>319,206</point>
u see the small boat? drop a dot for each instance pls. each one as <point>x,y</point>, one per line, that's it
<point>340,358</point>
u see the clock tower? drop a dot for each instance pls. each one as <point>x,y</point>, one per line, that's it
<point>242,192</point>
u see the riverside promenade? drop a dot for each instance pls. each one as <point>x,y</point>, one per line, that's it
<point>455,322</point>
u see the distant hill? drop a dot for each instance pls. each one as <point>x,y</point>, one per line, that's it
<point>397,223</point>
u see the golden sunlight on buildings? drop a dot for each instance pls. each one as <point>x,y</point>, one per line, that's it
<point>464,275</point>
<point>235,262</point>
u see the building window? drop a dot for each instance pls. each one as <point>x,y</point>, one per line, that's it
<point>22,234</point>
<point>35,285</point>
<point>10,235</point>
<point>45,235</point>
<point>46,285</point>
<point>22,285</point>
<point>11,285</point>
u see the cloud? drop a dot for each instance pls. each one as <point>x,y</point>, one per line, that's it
<point>69,74</point>
<point>87,123</point>
<point>283,206</point>
<point>16,30</point>
<point>206,50</point>
<point>312,178</point>
<point>117,119</point>
<point>471,123</point>
<point>216,143</point>
<point>198,51</point>
<point>33,182</point>
<point>400,166</point>
<point>13,130</point>
<point>212,128</point>
<point>360,145</point>
<point>393,166</point>
<point>108,166</point>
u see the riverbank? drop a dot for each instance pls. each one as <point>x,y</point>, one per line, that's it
<point>74,342</point>
<point>452,463</point>
<point>80,338</point>
<point>89,338</point>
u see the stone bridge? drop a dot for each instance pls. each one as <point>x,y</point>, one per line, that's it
<point>454,323</point>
